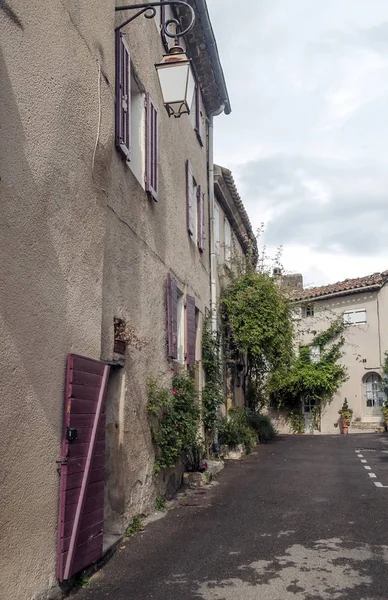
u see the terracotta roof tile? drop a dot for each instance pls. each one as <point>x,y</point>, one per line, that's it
<point>341,288</point>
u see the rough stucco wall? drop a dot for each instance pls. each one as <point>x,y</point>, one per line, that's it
<point>361,343</point>
<point>78,248</point>
<point>145,241</point>
<point>51,245</point>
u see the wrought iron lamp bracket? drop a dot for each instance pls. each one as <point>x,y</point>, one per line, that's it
<point>150,11</point>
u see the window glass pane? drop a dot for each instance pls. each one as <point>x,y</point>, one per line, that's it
<point>360,316</point>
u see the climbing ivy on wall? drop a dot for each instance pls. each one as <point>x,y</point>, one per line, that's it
<point>257,320</point>
<point>305,379</point>
<point>212,392</point>
<point>174,416</point>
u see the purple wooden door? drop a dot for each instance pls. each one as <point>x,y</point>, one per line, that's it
<point>82,469</point>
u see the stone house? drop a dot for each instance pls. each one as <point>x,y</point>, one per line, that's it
<point>363,304</point>
<point>234,243</point>
<point>104,275</point>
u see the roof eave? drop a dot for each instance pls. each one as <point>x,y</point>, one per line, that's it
<point>351,292</point>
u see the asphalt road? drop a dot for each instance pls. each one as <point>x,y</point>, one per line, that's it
<point>301,519</point>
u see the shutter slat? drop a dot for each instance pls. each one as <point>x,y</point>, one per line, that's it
<point>190,325</point>
<point>172,317</point>
<point>123,96</point>
<point>151,148</point>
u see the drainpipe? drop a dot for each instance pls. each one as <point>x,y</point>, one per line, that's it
<point>213,258</point>
<point>378,330</point>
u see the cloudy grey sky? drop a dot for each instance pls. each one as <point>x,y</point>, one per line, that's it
<point>307,140</point>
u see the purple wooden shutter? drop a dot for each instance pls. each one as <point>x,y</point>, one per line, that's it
<point>82,467</point>
<point>190,324</point>
<point>172,317</point>
<point>198,114</point>
<point>162,24</point>
<point>151,148</point>
<point>201,219</point>
<point>123,96</point>
<point>190,199</point>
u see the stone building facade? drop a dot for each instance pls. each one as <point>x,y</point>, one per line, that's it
<point>234,244</point>
<point>84,245</point>
<point>363,304</point>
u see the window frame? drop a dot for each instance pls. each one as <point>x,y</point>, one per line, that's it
<point>354,312</point>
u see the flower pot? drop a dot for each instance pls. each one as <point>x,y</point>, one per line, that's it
<point>344,426</point>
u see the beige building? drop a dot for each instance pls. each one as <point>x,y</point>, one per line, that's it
<point>105,255</point>
<point>363,304</point>
<point>234,243</point>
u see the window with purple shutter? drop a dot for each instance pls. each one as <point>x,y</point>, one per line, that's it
<point>151,148</point>
<point>198,114</point>
<point>190,326</point>
<point>190,199</point>
<point>123,96</point>
<point>172,316</point>
<point>201,219</point>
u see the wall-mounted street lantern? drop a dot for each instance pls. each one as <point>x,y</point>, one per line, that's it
<point>175,72</point>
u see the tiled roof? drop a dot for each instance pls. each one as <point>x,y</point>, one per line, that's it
<point>341,288</point>
<point>248,239</point>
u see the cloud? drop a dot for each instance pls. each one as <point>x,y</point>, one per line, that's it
<point>327,206</point>
<point>307,138</point>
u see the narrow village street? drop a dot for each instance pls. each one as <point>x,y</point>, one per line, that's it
<point>303,518</point>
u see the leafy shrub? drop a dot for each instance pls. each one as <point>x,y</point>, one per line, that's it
<point>193,458</point>
<point>160,503</point>
<point>175,418</point>
<point>263,427</point>
<point>135,526</point>
<point>296,420</point>
<point>235,430</point>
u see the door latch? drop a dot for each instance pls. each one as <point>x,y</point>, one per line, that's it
<point>71,434</point>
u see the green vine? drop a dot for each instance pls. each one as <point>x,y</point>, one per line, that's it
<point>307,379</point>
<point>175,418</point>
<point>296,421</point>
<point>258,316</point>
<point>316,418</point>
<point>212,392</point>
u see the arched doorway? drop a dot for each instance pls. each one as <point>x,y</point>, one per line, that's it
<point>373,394</point>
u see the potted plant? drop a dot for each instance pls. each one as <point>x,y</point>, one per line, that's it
<point>346,416</point>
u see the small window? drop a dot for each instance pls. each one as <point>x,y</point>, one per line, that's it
<point>308,310</point>
<point>175,321</point>
<point>138,131</point>
<point>355,317</point>
<point>315,354</point>
<point>120,336</point>
<point>180,327</point>
<point>296,313</point>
